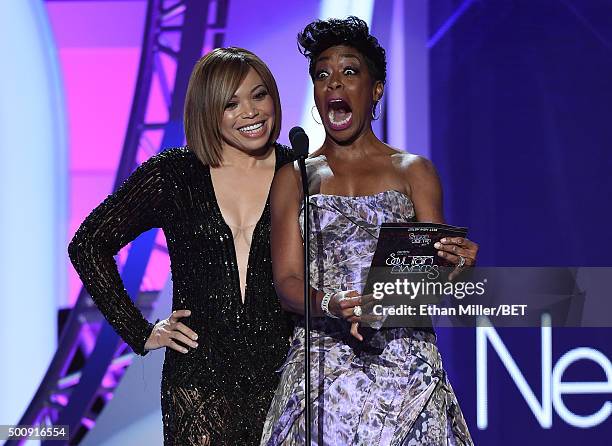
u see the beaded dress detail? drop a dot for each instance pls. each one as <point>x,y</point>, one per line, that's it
<point>218,393</point>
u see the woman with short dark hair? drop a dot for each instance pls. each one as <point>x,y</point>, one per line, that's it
<point>227,333</point>
<point>369,387</point>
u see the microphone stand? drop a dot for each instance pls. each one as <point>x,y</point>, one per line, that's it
<point>306,206</point>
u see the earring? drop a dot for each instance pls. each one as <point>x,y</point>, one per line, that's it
<point>313,115</point>
<point>374,117</point>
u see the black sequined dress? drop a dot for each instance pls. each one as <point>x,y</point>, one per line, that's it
<point>218,393</point>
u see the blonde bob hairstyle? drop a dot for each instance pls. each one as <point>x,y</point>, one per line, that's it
<point>214,80</point>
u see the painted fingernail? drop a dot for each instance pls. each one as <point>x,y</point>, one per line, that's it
<point>195,337</point>
<point>437,245</point>
<point>443,240</point>
<point>195,345</point>
<point>441,253</point>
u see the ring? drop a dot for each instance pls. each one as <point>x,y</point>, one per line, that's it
<point>461,262</point>
<point>357,311</point>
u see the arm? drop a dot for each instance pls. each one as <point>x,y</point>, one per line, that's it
<point>288,250</point>
<point>134,208</point>
<point>286,241</point>
<point>426,193</point>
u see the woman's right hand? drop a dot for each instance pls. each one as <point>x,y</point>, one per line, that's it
<point>169,330</point>
<point>342,305</point>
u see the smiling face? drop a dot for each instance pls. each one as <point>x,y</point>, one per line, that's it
<point>248,117</point>
<point>344,92</point>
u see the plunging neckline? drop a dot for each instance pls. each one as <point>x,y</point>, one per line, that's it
<point>228,231</point>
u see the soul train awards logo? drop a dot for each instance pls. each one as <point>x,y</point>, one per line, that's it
<point>401,262</point>
<point>420,239</point>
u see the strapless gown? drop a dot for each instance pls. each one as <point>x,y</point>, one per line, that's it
<point>390,389</point>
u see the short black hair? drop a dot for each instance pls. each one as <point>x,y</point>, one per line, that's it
<point>320,35</point>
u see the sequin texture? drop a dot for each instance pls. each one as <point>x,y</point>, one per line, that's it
<point>218,393</point>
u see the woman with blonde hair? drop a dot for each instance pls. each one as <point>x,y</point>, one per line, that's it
<point>227,333</point>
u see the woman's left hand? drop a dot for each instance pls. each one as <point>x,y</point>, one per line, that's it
<point>458,250</point>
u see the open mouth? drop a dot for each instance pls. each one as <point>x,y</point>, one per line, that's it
<point>339,114</point>
<point>253,130</point>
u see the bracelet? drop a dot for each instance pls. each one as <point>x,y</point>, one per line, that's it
<point>325,305</point>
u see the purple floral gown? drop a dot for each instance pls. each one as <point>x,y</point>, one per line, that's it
<point>390,389</point>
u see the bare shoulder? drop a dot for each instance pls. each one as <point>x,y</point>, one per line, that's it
<point>287,172</point>
<point>286,185</point>
<point>411,161</point>
<point>317,153</point>
<point>288,178</point>
<point>415,166</point>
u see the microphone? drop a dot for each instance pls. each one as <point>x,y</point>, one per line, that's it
<point>299,141</point>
